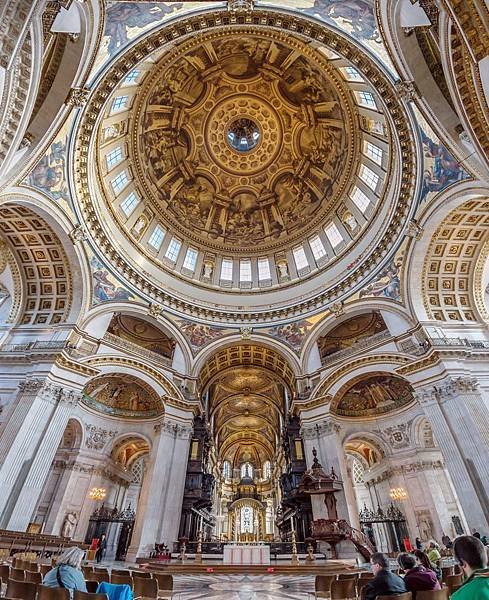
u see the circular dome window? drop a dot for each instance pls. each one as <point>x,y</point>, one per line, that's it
<point>243,135</point>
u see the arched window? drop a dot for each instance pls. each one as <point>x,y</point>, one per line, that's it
<point>246,470</point>
<point>267,470</point>
<point>138,470</point>
<point>226,470</point>
<point>357,471</point>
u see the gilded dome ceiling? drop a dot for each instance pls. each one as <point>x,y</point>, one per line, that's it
<point>248,158</point>
<point>242,143</point>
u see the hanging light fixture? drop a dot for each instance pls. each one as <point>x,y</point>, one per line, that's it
<point>398,494</point>
<point>97,493</point>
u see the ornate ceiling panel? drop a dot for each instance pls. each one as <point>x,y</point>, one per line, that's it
<point>450,289</point>
<point>245,158</point>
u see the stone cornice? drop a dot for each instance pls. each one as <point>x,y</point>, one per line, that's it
<point>88,469</point>
<point>402,470</point>
<point>320,429</point>
<point>174,429</point>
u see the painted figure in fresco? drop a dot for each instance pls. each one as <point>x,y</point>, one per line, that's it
<point>105,290</point>
<point>198,335</point>
<point>444,169</point>
<point>49,173</point>
<point>120,17</point>
<point>358,13</point>
<point>387,283</point>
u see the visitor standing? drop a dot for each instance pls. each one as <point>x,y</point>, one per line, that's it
<point>101,548</point>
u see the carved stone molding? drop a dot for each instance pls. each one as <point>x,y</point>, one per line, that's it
<point>401,470</point>
<point>240,5</point>
<point>321,429</point>
<point>445,389</point>
<point>78,234</point>
<point>155,310</point>
<point>414,230</point>
<point>78,97</point>
<point>407,90</point>
<point>97,437</point>
<point>398,436</point>
<point>174,429</point>
<point>30,386</point>
<point>88,469</point>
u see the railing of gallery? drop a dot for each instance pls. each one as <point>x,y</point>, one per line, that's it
<point>114,340</point>
<point>360,345</point>
<point>459,342</point>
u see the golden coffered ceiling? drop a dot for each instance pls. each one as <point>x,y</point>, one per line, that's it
<point>245,404</point>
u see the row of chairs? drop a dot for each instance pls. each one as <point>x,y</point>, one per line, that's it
<point>27,590</point>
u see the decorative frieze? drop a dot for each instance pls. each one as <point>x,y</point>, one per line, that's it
<point>445,389</point>
<point>398,436</point>
<point>97,437</point>
<point>177,430</point>
<point>321,429</point>
<point>78,234</point>
<point>402,470</point>
<point>88,469</point>
<point>78,97</point>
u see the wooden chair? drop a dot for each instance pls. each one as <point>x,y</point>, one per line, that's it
<point>457,570</point>
<point>121,579</point>
<point>165,583</point>
<point>145,588</point>
<point>362,582</point>
<point>445,572</point>
<point>77,595</point>
<point>120,572</point>
<point>49,593</point>
<point>4,572</point>
<point>433,595</point>
<point>45,569</point>
<point>21,589</point>
<point>87,570</point>
<point>100,577</point>
<point>405,596</point>
<point>323,585</point>
<point>347,576</point>
<point>33,567</point>
<point>34,576</point>
<point>100,569</point>
<point>142,574</point>
<point>342,588</point>
<point>17,574</point>
<point>91,586</point>
<point>452,582</point>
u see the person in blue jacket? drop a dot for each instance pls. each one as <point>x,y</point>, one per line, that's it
<point>67,572</point>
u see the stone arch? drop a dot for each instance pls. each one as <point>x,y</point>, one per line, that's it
<point>422,433</point>
<point>98,318</point>
<point>417,270</point>
<point>352,443</point>
<point>53,272</point>
<point>129,447</point>
<point>73,436</point>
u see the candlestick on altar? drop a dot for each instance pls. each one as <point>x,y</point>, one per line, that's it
<point>198,553</point>
<point>295,558</point>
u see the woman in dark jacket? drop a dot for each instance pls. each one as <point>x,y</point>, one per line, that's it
<point>423,560</point>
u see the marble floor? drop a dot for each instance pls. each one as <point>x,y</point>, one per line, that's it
<point>243,587</point>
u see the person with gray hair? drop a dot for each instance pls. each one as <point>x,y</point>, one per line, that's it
<point>67,572</point>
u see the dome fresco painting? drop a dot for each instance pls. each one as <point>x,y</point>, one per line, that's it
<point>244,269</point>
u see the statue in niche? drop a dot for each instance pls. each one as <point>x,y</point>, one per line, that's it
<point>69,525</point>
<point>349,220</point>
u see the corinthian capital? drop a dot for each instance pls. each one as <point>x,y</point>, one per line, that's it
<point>30,386</point>
<point>51,391</point>
<point>465,384</point>
<point>71,397</point>
<point>175,429</point>
<point>320,429</point>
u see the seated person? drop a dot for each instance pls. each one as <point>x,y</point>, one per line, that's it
<point>423,560</point>
<point>384,581</point>
<point>418,578</point>
<point>470,554</point>
<point>67,572</point>
<point>433,552</point>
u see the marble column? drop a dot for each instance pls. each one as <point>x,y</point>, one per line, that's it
<point>464,451</point>
<point>29,442</point>
<point>160,502</point>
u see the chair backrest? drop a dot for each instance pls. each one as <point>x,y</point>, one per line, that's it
<point>142,574</point>
<point>433,595</point>
<point>45,569</point>
<point>100,569</point>
<point>323,583</point>
<point>4,572</point>
<point>17,574</point>
<point>453,581</point>
<point>445,572</point>
<point>34,576</point>
<point>77,595</point>
<point>165,581</point>
<point>342,588</point>
<point>49,593</point>
<point>404,596</point>
<point>87,570</point>
<point>92,586</point>
<point>120,572</point>
<point>21,589</point>
<point>347,575</point>
<point>117,579</point>
<point>145,587</point>
<point>100,577</point>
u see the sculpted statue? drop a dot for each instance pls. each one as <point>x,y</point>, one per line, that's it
<point>69,524</point>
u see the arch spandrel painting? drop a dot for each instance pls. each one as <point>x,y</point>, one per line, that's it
<point>373,396</point>
<point>123,396</point>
